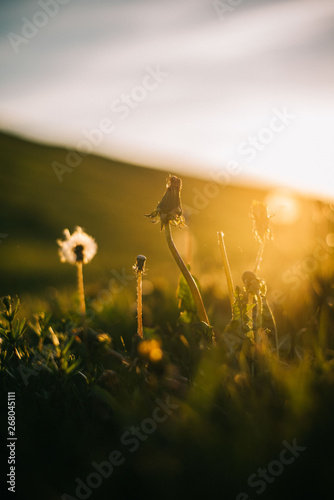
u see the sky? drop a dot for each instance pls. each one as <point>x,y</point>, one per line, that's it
<point>238,89</point>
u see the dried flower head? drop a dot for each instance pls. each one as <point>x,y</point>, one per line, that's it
<point>254,284</point>
<point>77,247</point>
<point>261,218</point>
<point>139,266</point>
<point>170,208</point>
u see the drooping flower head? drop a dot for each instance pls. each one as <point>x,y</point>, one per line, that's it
<point>170,208</point>
<point>77,247</point>
<point>261,224</point>
<point>254,284</point>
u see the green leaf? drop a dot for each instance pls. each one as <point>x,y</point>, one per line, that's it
<point>67,346</point>
<point>186,300</point>
<point>237,330</point>
<point>186,317</point>
<point>73,366</point>
<point>20,329</point>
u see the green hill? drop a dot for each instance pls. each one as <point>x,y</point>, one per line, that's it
<point>108,198</point>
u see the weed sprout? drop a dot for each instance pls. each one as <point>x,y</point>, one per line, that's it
<point>256,288</point>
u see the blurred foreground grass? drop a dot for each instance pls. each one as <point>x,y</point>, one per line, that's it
<point>222,416</point>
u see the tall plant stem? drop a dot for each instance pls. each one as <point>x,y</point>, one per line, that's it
<point>251,311</point>
<point>275,328</point>
<point>81,289</point>
<point>259,257</point>
<point>189,279</point>
<point>140,303</point>
<point>227,268</point>
<point>257,326</point>
<point>189,246</point>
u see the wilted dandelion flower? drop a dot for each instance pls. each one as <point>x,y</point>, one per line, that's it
<point>169,211</point>
<point>254,284</point>
<point>77,247</point>
<point>261,218</point>
<point>170,208</point>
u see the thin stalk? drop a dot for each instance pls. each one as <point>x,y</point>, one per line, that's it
<point>251,311</point>
<point>140,303</point>
<point>259,311</point>
<point>189,246</point>
<point>275,328</point>
<point>227,268</point>
<point>189,279</point>
<point>81,289</point>
<point>258,318</point>
<point>259,257</point>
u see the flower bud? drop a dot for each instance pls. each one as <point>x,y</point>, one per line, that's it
<point>140,263</point>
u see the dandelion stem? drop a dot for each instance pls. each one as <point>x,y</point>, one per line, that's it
<point>275,328</point>
<point>227,268</point>
<point>251,311</point>
<point>81,289</point>
<point>189,246</point>
<point>140,303</point>
<point>189,279</point>
<point>257,327</point>
<point>259,257</point>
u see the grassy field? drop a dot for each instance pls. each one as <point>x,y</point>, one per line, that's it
<point>187,410</point>
<point>108,199</point>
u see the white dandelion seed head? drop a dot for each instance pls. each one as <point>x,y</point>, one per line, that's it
<point>76,245</point>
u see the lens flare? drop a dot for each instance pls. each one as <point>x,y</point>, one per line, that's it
<point>284,205</point>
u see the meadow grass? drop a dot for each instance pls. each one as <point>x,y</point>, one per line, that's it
<point>37,207</point>
<point>85,379</point>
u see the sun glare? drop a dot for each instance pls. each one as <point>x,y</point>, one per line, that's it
<point>284,205</point>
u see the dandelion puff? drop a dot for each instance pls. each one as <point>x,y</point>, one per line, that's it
<point>78,248</point>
